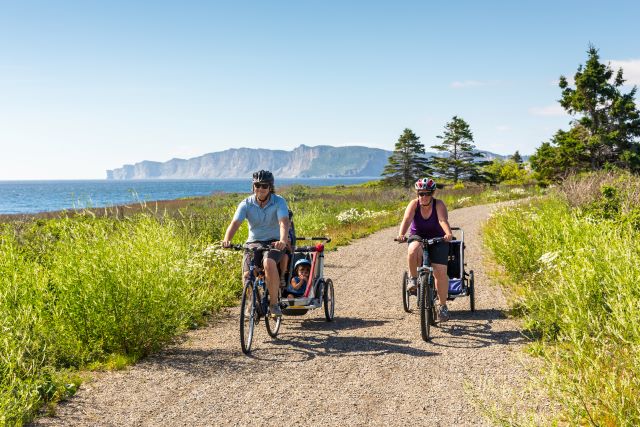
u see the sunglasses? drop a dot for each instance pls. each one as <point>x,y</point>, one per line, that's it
<point>424,194</point>
<point>263,186</point>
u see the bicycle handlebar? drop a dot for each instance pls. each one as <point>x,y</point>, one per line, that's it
<point>429,242</point>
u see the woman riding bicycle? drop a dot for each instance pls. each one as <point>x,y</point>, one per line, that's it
<point>428,218</point>
<point>268,218</point>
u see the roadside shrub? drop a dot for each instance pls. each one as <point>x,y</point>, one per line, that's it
<point>574,277</point>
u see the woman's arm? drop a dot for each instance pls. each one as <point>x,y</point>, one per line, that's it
<point>406,220</point>
<point>443,219</point>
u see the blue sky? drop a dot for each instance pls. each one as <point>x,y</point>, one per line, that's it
<point>87,86</point>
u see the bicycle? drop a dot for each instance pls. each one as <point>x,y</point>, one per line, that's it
<point>426,287</point>
<point>255,301</point>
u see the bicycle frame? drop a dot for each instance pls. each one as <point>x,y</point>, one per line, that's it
<point>258,283</point>
<point>426,262</point>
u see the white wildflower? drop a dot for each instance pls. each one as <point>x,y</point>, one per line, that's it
<point>518,191</point>
<point>354,215</point>
<point>548,258</point>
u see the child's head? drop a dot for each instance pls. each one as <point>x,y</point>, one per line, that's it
<point>302,267</point>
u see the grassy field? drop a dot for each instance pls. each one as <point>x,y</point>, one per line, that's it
<point>99,289</point>
<point>572,260</point>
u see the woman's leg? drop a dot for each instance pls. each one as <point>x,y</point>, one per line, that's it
<point>442,282</point>
<point>414,258</point>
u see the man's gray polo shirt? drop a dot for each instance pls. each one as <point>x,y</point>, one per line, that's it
<point>263,222</point>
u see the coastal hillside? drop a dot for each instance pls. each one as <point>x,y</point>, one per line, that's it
<point>302,162</point>
<point>322,161</point>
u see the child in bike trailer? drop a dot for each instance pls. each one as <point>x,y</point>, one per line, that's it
<point>428,218</point>
<point>298,284</point>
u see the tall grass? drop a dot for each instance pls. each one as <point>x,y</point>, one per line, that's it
<point>86,290</point>
<point>575,272</point>
<point>102,288</point>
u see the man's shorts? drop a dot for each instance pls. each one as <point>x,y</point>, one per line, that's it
<point>273,254</point>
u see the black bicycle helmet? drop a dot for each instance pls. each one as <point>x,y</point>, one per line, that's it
<point>263,176</point>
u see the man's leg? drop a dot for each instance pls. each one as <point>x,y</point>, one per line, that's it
<point>272,278</point>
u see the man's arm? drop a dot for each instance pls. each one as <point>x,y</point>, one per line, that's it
<point>231,231</point>
<point>284,233</point>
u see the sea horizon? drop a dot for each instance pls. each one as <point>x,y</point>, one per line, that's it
<point>39,195</point>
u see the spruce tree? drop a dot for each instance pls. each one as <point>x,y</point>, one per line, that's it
<point>408,161</point>
<point>516,157</point>
<point>611,117</point>
<point>459,162</point>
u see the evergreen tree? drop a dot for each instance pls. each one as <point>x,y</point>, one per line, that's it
<point>459,163</point>
<point>516,157</point>
<point>566,153</point>
<point>408,161</point>
<point>606,131</point>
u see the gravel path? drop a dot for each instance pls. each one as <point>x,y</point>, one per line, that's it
<point>368,367</point>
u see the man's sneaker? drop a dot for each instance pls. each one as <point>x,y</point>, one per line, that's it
<point>443,313</point>
<point>413,285</point>
<point>275,310</point>
<point>283,283</point>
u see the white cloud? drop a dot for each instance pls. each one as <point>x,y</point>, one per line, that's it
<point>630,70</point>
<point>554,110</point>
<point>472,83</point>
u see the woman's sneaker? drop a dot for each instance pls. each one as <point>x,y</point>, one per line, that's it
<point>413,285</point>
<point>443,313</point>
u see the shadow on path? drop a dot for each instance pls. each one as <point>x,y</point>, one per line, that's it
<point>476,329</point>
<point>347,346</point>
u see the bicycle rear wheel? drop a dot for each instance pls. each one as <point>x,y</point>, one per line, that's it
<point>329,300</point>
<point>247,317</point>
<point>425,297</point>
<point>472,292</point>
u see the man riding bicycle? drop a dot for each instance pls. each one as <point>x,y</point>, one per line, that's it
<point>268,217</point>
<point>428,218</point>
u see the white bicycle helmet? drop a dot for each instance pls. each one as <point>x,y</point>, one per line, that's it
<point>426,184</point>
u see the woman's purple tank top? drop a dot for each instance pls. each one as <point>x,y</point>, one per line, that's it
<point>426,228</point>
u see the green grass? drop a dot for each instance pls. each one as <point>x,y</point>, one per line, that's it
<point>99,289</point>
<point>574,270</point>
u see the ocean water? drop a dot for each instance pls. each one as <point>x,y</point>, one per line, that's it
<point>17,197</point>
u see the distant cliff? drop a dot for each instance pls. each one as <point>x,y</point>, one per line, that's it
<point>303,162</point>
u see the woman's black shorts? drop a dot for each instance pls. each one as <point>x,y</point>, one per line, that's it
<point>438,253</point>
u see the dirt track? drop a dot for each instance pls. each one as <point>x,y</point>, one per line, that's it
<point>368,367</point>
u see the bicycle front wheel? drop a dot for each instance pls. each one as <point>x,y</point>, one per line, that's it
<point>426,299</point>
<point>273,325</point>
<point>405,292</point>
<point>247,318</point>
